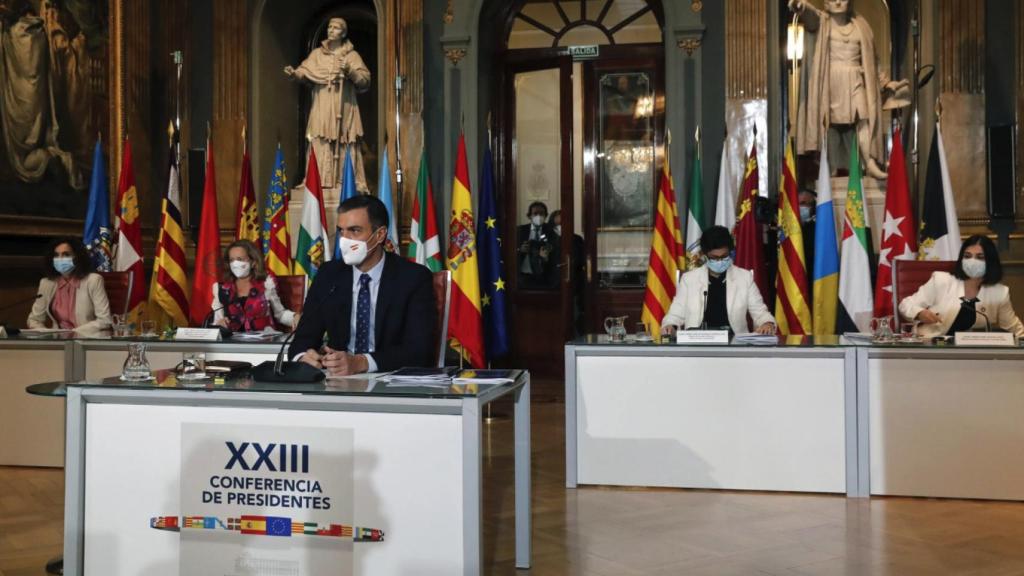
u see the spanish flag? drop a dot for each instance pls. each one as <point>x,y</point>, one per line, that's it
<point>792,310</point>
<point>465,327</point>
<point>667,257</point>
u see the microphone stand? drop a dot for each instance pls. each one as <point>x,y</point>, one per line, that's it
<point>291,372</point>
<point>704,313</point>
<point>988,323</point>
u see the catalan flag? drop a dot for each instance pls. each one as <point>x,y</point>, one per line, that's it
<point>749,232</point>
<point>128,254</point>
<point>168,293</point>
<point>246,216</point>
<point>207,248</point>
<point>667,256</point>
<point>792,308</point>
<point>277,244</point>
<point>465,327</point>
<point>826,254</point>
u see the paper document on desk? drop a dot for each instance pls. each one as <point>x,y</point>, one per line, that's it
<point>755,339</point>
<point>256,336</point>
<point>483,377</point>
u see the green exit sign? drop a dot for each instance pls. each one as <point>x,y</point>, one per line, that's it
<point>584,52</point>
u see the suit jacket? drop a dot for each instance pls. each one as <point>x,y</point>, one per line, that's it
<point>92,309</point>
<point>741,298</point>
<point>404,318</point>
<point>941,294</point>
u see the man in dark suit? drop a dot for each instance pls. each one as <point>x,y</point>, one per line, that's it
<point>538,250</point>
<point>376,308</point>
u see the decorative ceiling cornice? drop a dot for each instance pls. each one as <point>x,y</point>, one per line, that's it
<point>689,39</point>
<point>455,55</point>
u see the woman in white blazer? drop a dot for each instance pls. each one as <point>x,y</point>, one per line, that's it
<point>726,294</point>
<point>70,295</point>
<point>962,301</point>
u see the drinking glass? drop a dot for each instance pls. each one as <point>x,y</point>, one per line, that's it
<point>908,330</point>
<point>642,334</point>
<point>193,366</point>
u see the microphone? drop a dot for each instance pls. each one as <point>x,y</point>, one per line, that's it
<point>704,313</point>
<point>291,372</point>
<point>965,304</point>
<point>225,332</point>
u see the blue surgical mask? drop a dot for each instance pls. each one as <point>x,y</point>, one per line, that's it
<point>720,266</point>
<point>63,264</point>
<point>805,213</point>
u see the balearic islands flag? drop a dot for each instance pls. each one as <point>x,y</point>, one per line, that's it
<point>168,294</point>
<point>311,247</point>
<point>898,230</point>
<point>826,254</point>
<point>424,241</point>
<point>667,256</point>
<point>465,327</point>
<point>695,220</point>
<point>792,310</point>
<point>940,229</point>
<point>855,292</point>
<point>128,255</point>
<point>207,248</point>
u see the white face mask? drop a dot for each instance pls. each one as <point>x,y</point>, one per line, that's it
<point>240,268</point>
<point>353,252</point>
<point>537,219</point>
<point>973,267</point>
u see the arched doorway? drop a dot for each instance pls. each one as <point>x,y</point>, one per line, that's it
<point>579,124</point>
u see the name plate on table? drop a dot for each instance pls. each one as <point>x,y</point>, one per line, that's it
<point>702,337</point>
<point>984,339</point>
<point>211,334</point>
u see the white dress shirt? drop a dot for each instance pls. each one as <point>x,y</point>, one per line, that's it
<point>374,274</point>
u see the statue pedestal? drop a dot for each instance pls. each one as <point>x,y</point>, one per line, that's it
<point>874,205</point>
<point>295,203</point>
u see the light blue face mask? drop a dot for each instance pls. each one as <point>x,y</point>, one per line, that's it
<point>63,264</point>
<point>805,213</point>
<point>720,266</point>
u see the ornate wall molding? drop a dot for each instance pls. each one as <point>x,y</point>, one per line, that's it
<point>746,49</point>
<point>455,48</point>
<point>689,39</point>
<point>449,12</point>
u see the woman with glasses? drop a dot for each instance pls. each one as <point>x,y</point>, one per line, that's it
<point>972,297</point>
<point>718,294</point>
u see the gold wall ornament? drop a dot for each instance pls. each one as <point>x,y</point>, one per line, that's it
<point>689,44</point>
<point>449,12</point>
<point>455,55</point>
<point>696,5</point>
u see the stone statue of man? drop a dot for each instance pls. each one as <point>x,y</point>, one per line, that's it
<point>842,87</point>
<point>337,73</point>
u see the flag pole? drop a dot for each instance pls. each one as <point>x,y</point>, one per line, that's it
<point>396,197</point>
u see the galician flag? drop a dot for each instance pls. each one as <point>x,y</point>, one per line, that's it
<point>826,254</point>
<point>425,243</point>
<point>899,241</point>
<point>465,327</point>
<point>855,294</point>
<point>311,248</point>
<point>695,221</point>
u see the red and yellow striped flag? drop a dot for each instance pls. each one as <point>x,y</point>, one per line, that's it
<point>168,296</point>
<point>465,326</point>
<point>792,311</point>
<point>667,258</point>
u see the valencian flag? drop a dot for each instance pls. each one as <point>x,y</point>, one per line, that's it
<point>826,254</point>
<point>424,240</point>
<point>940,230</point>
<point>128,255</point>
<point>384,193</point>
<point>748,233</point>
<point>695,221</point>
<point>725,206</point>
<point>207,248</point>
<point>277,244</point>
<point>311,246</point>
<point>168,292</point>
<point>465,327</point>
<point>492,277</point>
<point>348,190</point>
<point>96,236</point>
<point>246,217</point>
<point>667,257</point>
<point>855,292</point>
<point>899,240</point>
<point>792,307</point>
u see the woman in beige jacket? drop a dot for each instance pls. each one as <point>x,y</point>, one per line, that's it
<point>71,297</point>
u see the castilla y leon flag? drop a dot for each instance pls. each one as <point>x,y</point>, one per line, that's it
<point>424,240</point>
<point>207,248</point>
<point>246,217</point>
<point>128,255</point>
<point>168,293</point>
<point>749,233</point>
<point>465,326</point>
<point>277,242</point>
<point>792,311</point>
<point>667,256</point>
<point>311,246</point>
<point>899,241</point>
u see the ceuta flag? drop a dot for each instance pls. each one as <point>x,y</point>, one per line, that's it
<point>749,233</point>
<point>128,255</point>
<point>667,256</point>
<point>207,248</point>
<point>465,325</point>
<point>899,235</point>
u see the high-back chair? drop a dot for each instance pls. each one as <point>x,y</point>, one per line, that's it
<point>909,275</point>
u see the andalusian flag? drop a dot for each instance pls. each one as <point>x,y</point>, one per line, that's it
<point>695,220</point>
<point>311,248</point>
<point>667,257</point>
<point>792,309</point>
<point>855,293</point>
<point>128,255</point>
<point>826,254</point>
<point>465,327</point>
<point>246,217</point>
<point>424,240</point>
<point>277,245</point>
<point>940,229</point>
<point>168,294</point>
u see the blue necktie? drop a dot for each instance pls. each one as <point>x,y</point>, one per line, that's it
<point>363,316</point>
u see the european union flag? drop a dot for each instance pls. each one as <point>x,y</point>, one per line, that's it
<point>97,236</point>
<point>348,190</point>
<point>277,526</point>
<point>492,277</point>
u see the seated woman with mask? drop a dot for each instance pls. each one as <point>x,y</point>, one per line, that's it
<point>718,294</point>
<point>972,297</point>
<point>70,294</point>
<point>246,298</point>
